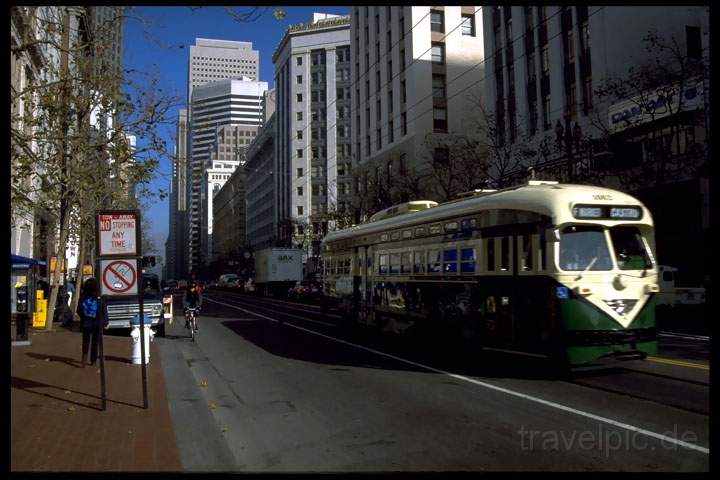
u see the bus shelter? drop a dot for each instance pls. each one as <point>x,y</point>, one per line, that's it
<point>24,276</point>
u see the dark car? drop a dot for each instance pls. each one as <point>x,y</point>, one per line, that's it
<point>305,291</point>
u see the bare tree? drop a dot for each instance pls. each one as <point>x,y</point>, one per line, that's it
<point>70,148</point>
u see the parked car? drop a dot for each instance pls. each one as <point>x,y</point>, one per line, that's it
<point>305,291</point>
<point>121,311</point>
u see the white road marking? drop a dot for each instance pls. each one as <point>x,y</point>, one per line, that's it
<point>531,398</point>
<point>686,336</point>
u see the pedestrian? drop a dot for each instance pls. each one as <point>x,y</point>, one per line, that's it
<point>93,317</point>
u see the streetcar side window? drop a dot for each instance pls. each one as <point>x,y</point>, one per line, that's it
<point>630,252</point>
<point>450,261</point>
<point>394,263</point>
<point>383,265</point>
<point>505,254</point>
<point>542,251</point>
<point>584,247</point>
<point>467,260</point>
<point>526,257</point>
<point>490,251</point>
<point>406,262</point>
<point>433,261</point>
<point>419,264</point>
<point>348,265</point>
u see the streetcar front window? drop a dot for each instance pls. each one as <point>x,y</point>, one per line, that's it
<point>630,251</point>
<point>584,248</point>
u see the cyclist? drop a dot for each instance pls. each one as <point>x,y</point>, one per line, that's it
<point>192,298</point>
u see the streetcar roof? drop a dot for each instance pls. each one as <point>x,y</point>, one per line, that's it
<point>552,200</point>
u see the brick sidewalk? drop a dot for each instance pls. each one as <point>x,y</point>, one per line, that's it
<point>56,421</point>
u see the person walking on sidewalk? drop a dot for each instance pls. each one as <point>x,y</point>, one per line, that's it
<point>91,309</point>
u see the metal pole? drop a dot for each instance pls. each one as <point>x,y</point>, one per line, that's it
<point>142,336</point>
<point>101,347</point>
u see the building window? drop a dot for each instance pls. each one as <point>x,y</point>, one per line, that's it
<point>438,53</point>
<point>402,60</point>
<point>440,119</point>
<point>403,92</point>
<point>403,124</point>
<point>468,25</point>
<point>438,86</point>
<point>570,47</point>
<point>300,191</point>
<point>389,70</point>
<point>693,40</point>
<point>299,78</point>
<point>298,60</point>
<point>299,172</point>
<point>299,134</point>
<point>391,133</point>
<point>378,110</point>
<point>437,22</point>
<point>545,60</point>
<point>587,85</point>
<point>390,101</point>
<point>299,97</point>
<point>299,153</point>
<point>377,80</point>
<point>379,138</point>
<point>299,210</point>
<point>299,116</point>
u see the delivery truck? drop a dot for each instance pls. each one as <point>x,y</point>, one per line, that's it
<point>276,270</point>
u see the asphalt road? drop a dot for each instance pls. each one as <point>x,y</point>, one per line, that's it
<point>271,386</point>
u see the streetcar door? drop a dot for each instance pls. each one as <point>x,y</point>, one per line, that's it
<point>358,287</point>
<point>508,294</point>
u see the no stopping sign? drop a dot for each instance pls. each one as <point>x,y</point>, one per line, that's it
<point>119,277</point>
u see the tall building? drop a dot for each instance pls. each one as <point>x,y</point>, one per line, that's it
<point>228,229</point>
<point>177,250</point>
<point>213,60</point>
<point>413,72</point>
<point>547,66</point>
<point>214,105</point>
<point>260,191</point>
<point>107,24</point>
<point>312,78</point>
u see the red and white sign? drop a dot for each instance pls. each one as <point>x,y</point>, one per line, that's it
<point>119,277</point>
<point>118,234</point>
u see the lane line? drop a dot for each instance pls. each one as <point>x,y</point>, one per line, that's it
<point>490,386</point>
<point>686,336</point>
<point>287,314</point>
<point>679,363</point>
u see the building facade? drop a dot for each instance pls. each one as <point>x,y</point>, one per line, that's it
<point>176,245</point>
<point>261,194</point>
<point>312,80</point>
<point>214,106</point>
<point>574,92</point>
<point>213,60</point>
<point>228,231</point>
<point>416,74</point>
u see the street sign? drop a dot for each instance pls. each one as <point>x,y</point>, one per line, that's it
<point>119,277</point>
<point>118,233</point>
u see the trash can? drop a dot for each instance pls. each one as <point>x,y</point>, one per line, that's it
<point>135,335</point>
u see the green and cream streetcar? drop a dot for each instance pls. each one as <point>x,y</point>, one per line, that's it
<point>564,271</point>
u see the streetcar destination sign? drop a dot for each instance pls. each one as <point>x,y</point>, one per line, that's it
<point>612,212</point>
<point>117,233</point>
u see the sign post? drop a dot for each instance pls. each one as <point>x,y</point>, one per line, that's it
<point>119,253</point>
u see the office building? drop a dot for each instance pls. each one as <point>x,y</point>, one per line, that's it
<point>214,106</point>
<point>213,60</point>
<point>260,192</point>
<point>312,145</point>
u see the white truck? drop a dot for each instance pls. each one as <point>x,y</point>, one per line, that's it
<point>671,295</point>
<point>277,269</point>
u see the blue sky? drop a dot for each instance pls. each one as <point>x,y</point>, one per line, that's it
<point>153,37</point>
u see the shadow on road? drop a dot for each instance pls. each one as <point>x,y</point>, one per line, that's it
<point>445,354</point>
<point>29,386</point>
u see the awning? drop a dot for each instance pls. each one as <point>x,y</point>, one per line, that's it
<point>19,261</point>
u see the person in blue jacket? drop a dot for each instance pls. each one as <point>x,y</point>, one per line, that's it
<point>91,309</point>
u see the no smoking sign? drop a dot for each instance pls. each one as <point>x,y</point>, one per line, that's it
<point>119,277</point>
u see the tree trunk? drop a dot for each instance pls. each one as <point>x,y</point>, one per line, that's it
<point>55,280</point>
<point>79,281</point>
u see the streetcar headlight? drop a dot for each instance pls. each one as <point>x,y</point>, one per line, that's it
<point>584,291</point>
<point>652,288</point>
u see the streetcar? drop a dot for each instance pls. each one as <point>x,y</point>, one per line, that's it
<point>544,269</point>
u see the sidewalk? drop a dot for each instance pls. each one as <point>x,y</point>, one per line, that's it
<point>56,421</point>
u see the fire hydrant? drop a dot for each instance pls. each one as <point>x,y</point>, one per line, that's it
<point>135,335</point>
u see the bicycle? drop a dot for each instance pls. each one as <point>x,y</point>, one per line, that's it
<point>191,321</point>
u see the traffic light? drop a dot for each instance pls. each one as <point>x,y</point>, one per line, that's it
<point>148,261</point>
